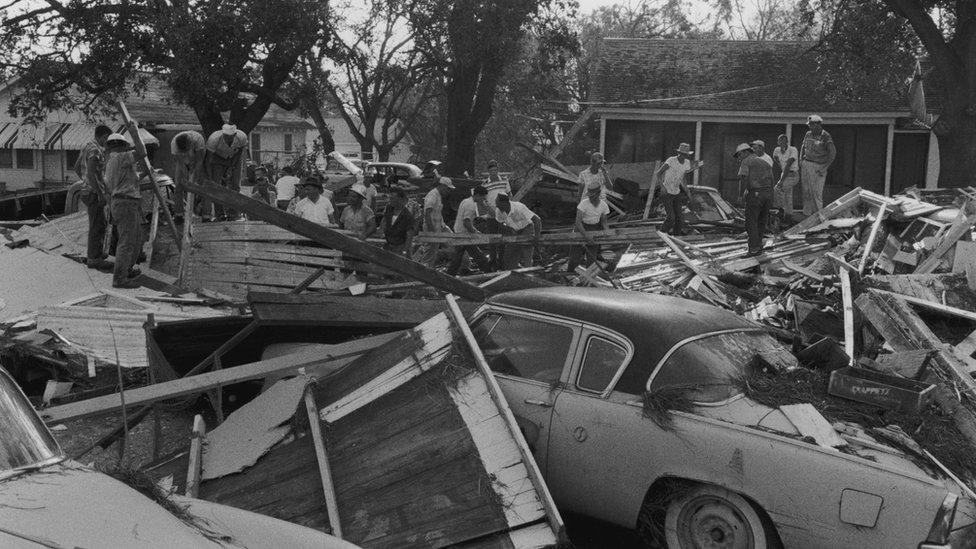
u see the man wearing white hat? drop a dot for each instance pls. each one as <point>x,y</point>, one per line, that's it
<point>673,173</point>
<point>817,153</point>
<point>756,177</point>
<point>224,165</point>
<point>433,220</point>
<point>122,187</point>
<point>357,216</point>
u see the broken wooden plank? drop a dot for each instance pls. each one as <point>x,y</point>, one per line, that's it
<point>843,204</point>
<point>334,239</point>
<point>802,270</point>
<point>340,355</point>
<point>952,311</point>
<point>271,309</point>
<point>960,226</point>
<point>712,285</point>
<point>568,137</point>
<point>869,245</point>
<point>552,513</point>
<point>810,423</point>
<point>848,304</point>
<point>322,458</point>
<point>195,467</point>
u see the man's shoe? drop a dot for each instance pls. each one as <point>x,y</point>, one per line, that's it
<point>134,272</point>
<point>100,265</point>
<point>128,284</point>
<point>753,253</point>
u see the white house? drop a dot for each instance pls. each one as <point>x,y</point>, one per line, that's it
<point>346,144</point>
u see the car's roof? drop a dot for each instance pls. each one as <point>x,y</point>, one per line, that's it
<point>654,323</point>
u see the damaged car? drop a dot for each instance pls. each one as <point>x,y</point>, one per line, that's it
<point>577,369</point>
<point>47,500</point>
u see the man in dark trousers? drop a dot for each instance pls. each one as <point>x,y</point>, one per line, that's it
<point>90,168</point>
<point>122,185</point>
<point>591,215</point>
<point>756,177</point>
<point>398,224</point>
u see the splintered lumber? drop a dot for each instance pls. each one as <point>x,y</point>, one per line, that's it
<point>147,167</point>
<point>869,245</point>
<point>322,457</point>
<point>952,311</point>
<point>848,301</point>
<point>650,191</point>
<point>960,226</point>
<point>271,309</point>
<point>609,237</point>
<point>837,207</point>
<point>194,469</point>
<point>339,241</point>
<point>568,137</point>
<point>310,360</point>
<point>712,285</point>
<point>419,452</point>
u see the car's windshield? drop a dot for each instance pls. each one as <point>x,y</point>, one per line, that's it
<point>24,440</point>
<point>711,367</point>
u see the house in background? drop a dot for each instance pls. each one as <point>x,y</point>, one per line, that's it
<point>346,144</point>
<point>652,95</point>
<point>44,155</point>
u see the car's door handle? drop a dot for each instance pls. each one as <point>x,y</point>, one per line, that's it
<point>543,403</point>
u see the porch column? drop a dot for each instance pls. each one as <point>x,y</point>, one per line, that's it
<point>789,134</point>
<point>695,175</point>
<point>888,154</point>
<point>603,135</point>
<point>932,165</point>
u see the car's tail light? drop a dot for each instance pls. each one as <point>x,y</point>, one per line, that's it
<point>942,525</point>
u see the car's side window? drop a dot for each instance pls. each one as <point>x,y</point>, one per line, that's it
<point>601,360</point>
<point>524,347</point>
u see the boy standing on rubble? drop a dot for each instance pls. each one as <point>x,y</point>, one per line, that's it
<point>122,185</point>
<point>89,168</point>
<point>756,176</point>
<point>591,215</point>
<point>673,173</point>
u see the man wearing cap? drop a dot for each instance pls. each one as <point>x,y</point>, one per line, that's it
<point>817,153</point>
<point>759,147</point>
<point>314,207</point>
<point>594,176</point>
<point>673,174</point>
<point>473,210</point>
<point>786,157</point>
<point>399,224</point>
<point>189,149</point>
<point>591,215</point>
<point>433,218</point>
<point>122,185</point>
<point>756,176</point>
<point>496,183</point>
<point>519,220</point>
<point>89,168</point>
<point>357,216</point>
<point>224,165</point>
<point>285,187</point>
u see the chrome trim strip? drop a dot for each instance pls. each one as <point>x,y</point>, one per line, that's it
<point>683,342</point>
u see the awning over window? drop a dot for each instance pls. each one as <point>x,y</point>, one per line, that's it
<point>17,136</point>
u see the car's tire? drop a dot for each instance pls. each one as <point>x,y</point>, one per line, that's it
<point>705,515</point>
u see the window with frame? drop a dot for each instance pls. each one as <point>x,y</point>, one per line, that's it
<point>255,147</point>
<point>6,158</point>
<point>25,159</point>
<point>288,143</point>
<point>524,347</point>
<point>72,159</point>
<point>602,360</point>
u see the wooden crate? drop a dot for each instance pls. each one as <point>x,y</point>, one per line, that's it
<point>869,387</point>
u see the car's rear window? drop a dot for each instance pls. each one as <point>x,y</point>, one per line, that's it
<point>712,366</point>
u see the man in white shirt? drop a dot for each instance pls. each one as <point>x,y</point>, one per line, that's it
<point>224,165</point>
<point>591,215</point>
<point>519,220</point>
<point>314,207</point>
<point>673,173</point>
<point>759,147</point>
<point>472,210</point>
<point>433,219</point>
<point>285,187</point>
<point>189,149</point>
<point>593,176</point>
<point>496,183</point>
<point>788,159</point>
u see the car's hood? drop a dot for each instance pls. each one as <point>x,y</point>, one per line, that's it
<point>68,505</point>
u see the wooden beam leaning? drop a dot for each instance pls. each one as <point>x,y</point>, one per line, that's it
<point>152,178</point>
<point>869,245</point>
<point>339,355</point>
<point>322,457</point>
<point>959,227</point>
<point>339,241</point>
<point>194,467</point>
<point>568,137</point>
<point>555,519</point>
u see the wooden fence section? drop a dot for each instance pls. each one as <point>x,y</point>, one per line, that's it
<point>237,257</point>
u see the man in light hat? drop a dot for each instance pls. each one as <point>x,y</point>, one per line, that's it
<point>759,147</point>
<point>433,218</point>
<point>90,168</point>
<point>673,174</point>
<point>756,177</point>
<point>189,150</point>
<point>817,153</point>
<point>224,166</point>
<point>496,183</point>
<point>519,220</point>
<point>314,207</point>
<point>595,175</point>
<point>591,215</point>
<point>122,186</point>
<point>357,216</point>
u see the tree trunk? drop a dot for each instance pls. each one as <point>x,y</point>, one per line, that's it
<point>956,130</point>
<point>312,106</point>
<point>470,96</point>
<point>383,153</point>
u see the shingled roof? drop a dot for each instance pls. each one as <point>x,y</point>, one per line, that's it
<point>720,75</point>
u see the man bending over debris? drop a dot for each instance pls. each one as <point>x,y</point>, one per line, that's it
<point>519,219</point>
<point>189,149</point>
<point>398,224</point>
<point>89,167</point>
<point>225,166</point>
<point>591,215</point>
<point>434,218</point>
<point>357,216</point>
<point>473,208</point>
<point>756,176</point>
<point>122,184</point>
<point>314,207</point>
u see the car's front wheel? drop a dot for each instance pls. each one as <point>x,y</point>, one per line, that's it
<point>709,516</point>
